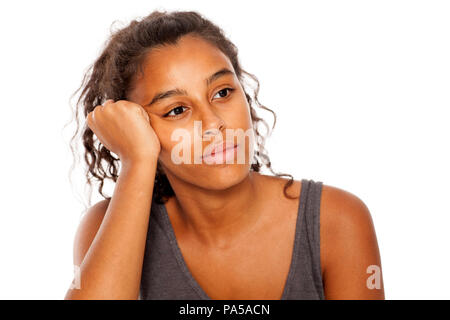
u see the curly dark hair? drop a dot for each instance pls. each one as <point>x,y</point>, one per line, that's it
<point>111,75</point>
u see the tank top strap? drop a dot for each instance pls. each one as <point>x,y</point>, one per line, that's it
<point>310,232</point>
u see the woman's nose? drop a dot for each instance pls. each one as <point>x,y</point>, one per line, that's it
<point>212,124</point>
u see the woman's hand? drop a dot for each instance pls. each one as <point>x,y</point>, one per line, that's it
<point>124,128</point>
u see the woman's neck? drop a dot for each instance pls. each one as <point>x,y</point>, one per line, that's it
<point>215,218</point>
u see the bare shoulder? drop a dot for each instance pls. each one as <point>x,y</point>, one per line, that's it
<point>343,208</point>
<point>87,229</point>
<point>349,246</point>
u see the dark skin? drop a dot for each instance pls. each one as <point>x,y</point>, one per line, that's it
<point>235,227</point>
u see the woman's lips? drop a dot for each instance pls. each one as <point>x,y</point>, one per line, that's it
<point>224,150</point>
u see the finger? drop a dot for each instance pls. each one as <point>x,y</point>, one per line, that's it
<point>107,102</point>
<point>93,123</point>
<point>90,120</point>
<point>97,109</point>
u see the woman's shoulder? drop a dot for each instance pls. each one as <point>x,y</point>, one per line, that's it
<point>87,229</point>
<point>340,209</point>
<point>347,239</point>
<point>333,199</point>
<point>343,210</point>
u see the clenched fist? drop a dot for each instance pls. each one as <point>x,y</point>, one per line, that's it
<point>124,128</point>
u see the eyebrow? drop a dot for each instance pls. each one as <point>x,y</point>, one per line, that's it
<point>178,92</point>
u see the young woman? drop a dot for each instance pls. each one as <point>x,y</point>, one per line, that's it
<point>194,229</point>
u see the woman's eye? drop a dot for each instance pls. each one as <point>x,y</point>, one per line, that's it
<point>224,90</point>
<point>177,110</point>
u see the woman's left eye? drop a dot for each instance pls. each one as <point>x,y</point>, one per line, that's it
<point>224,90</point>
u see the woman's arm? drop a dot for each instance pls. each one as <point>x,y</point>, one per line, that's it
<point>111,258</point>
<point>349,250</point>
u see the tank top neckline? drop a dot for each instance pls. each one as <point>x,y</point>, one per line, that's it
<point>167,225</point>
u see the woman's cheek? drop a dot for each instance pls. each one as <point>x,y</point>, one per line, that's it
<point>175,147</point>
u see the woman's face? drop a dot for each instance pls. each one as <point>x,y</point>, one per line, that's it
<point>196,105</point>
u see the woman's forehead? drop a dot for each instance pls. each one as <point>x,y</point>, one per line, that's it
<point>188,59</point>
<point>186,64</point>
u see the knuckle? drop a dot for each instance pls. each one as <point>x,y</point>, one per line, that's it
<point>89,120</point>
<point>120,102</point>
<point>97,109</point>
<point>124,103</point>
<point>109,101</point>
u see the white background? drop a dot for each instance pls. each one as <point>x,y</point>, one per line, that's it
<point>360,88</point>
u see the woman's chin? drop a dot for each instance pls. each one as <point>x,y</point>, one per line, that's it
<point>223,176</point>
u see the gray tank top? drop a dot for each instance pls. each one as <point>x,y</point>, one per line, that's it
<point>165,275</point>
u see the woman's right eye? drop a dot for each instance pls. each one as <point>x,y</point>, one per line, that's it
<point>178,110</point>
